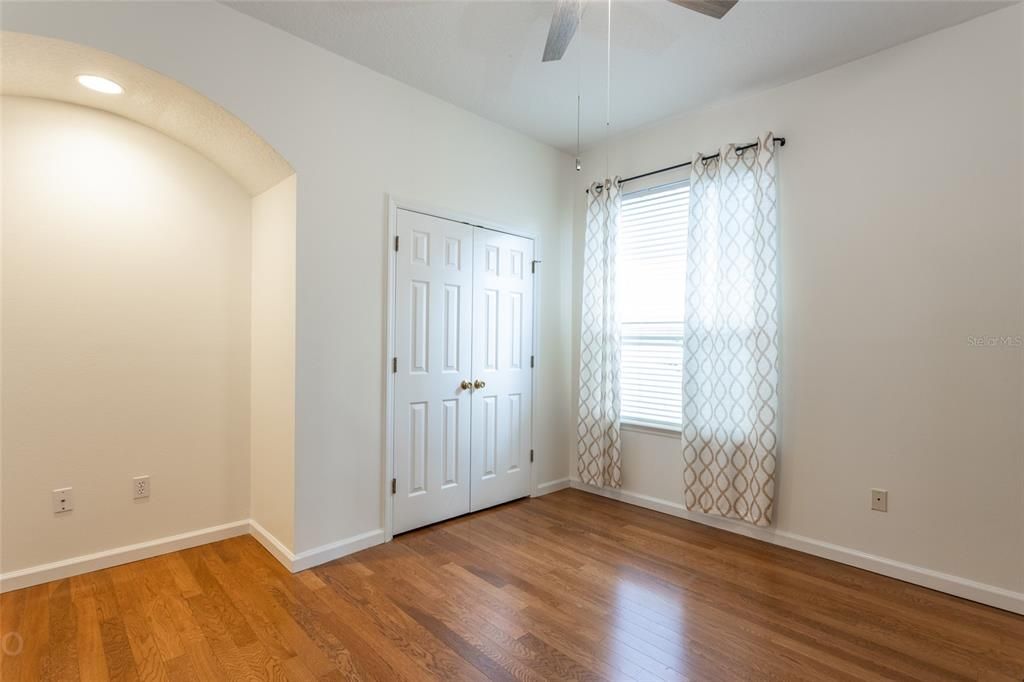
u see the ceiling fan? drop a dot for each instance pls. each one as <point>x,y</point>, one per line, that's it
<point>567,17</point>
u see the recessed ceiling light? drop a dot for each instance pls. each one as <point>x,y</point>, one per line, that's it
<point>100,84</point>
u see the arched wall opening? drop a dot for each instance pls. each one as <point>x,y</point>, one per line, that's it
<point>355,138</point>
<point>148,316</point>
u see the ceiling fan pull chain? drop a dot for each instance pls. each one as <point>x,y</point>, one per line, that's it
<point>608,94</point>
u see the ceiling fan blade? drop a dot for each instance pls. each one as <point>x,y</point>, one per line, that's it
<point>563,27</point>
<point>712,8</point>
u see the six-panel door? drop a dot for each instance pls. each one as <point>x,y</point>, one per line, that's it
<point>463,313</point>
<point>431,418</point>
<point>502,346</point>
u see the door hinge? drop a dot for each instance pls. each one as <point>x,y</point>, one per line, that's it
<point>531,362</point>
<point>396,242</point>
<point>394,486</point>
<point>394,365</point>
<point>531,456</point>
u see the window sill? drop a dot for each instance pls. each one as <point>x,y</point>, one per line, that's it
<point>662,431</point>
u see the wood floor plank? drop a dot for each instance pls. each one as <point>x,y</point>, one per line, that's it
<point>118,651</point>
<point>570,586</point>
<point>33,633</point>
<point>89,639</point>
<point>396,630</point>
<point>62,651</point>
<point>494,640</point>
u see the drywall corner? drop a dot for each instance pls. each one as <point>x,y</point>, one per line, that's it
<point>272,420</point>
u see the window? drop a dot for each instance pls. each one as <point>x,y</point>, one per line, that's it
<point>651,294</point>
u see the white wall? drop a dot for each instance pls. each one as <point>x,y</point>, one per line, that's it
<point>125,333</point>
<point>272,418</point>
<point>901,237</point>
<point>273,361</point>
<point>352,136</point>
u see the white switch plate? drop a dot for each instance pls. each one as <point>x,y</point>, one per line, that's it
<point>140,487</point>
<point>63,500</point>
<point>880,500</point>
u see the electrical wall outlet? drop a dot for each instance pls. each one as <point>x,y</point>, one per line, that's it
<point>62,500</point>
<point>140,487</point>
<point>880,500</point>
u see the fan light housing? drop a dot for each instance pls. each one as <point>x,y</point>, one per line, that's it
<point>99,84</point>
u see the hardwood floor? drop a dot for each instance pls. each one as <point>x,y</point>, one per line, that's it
<point>568,586</point>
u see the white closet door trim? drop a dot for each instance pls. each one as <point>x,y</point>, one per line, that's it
<point>394,203</point>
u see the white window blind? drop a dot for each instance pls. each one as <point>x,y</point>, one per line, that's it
<point>651,293</point>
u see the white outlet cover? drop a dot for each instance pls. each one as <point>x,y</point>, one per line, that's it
<point>140,487</point>
<point>63,500</point>
<point>880,500</point>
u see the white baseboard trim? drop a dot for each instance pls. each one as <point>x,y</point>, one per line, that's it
<point>270,543</point>
<point>550,487</point>
<point>330,552</point>
<point>58,570</point>
<point>66,568</point>
<point>318,555</point>
<point>991,595</point>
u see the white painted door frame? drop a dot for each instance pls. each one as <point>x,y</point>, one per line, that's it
<point>394,204</point>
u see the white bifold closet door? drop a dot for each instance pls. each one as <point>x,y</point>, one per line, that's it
<point>462,413</point>
<point>433,347</point>
<point>502,345</point>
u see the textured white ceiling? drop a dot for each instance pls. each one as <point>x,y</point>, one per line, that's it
<point>486,56</point>
<point>34,66</point>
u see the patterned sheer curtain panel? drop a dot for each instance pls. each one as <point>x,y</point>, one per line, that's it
<point>598,444</point>
<point>731,335</point>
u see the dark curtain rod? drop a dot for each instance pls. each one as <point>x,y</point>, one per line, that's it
<point>780,140</point>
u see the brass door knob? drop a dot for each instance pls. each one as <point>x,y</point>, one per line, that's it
<point>465,385</point>
<point>479,384</point>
